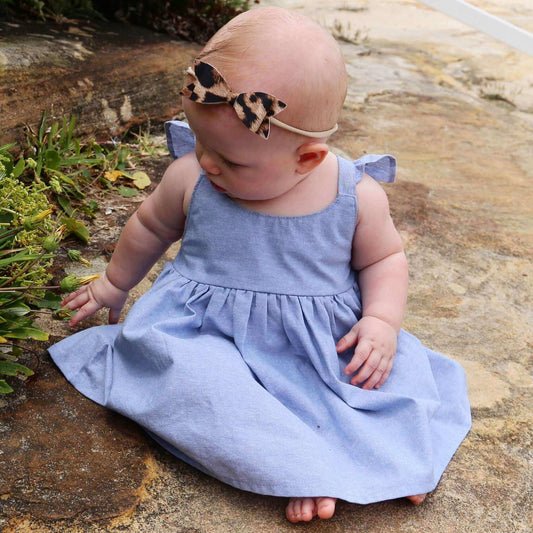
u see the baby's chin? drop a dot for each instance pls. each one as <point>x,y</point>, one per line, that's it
<point>217,188</point>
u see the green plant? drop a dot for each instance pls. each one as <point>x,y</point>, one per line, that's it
<point>29,236</point>
<point>65,164</point>
<point>24,226</point>
<point>42,195</point>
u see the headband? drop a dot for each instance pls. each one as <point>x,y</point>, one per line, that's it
<point>256,110</point>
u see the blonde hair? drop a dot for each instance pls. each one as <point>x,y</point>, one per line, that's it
<point>283,53</point>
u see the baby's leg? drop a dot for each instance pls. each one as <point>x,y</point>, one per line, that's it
<point>304,509</point>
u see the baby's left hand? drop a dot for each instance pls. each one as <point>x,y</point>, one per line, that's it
<point>376,345</point>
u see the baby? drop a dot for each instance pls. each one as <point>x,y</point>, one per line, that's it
<point>263,355</point>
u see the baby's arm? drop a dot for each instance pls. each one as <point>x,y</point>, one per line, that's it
<point>157,223</point>
<point>377,254</point>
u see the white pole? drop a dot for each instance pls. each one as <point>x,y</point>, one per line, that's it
<point>485,22</point>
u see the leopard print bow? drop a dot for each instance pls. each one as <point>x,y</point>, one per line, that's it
<point>206,85</point>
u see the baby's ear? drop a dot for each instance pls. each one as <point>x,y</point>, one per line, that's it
<point>310,155</point>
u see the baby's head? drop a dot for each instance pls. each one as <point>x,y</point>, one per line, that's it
<point>286,55</point>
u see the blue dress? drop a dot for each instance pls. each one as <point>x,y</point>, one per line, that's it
<point>229,361</point>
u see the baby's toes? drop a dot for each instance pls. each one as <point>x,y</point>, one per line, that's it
<point>300,509</point>
<point>417,499</point>
<point>325,507</point>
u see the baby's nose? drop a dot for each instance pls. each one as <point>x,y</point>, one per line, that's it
<point>208,164</point>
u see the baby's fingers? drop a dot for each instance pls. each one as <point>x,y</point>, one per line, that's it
<point>385,376</point>
<point>347,341</point>
<point>87,310</point>
<point>379,375</point>
<point>76,299</point>
<point>361,354</point>
<point>72,296</point>
<point>371,371</point>
<point>114,315</point>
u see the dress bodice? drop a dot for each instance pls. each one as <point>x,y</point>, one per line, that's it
<point>227,245</point>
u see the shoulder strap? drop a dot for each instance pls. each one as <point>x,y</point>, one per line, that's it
<point>180,138</point>
<point>346,177</point>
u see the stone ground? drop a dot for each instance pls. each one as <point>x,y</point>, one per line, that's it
<point>455,107</point>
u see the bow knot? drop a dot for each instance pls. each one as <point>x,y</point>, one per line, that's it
<point>207,86</point>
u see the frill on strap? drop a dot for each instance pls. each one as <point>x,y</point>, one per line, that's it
<point>180,138</point>
<point>380,167</point>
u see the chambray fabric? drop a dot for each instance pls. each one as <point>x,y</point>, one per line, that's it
<point>229,361</point>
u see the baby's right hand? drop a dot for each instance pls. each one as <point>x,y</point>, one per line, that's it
<point>92,297</point>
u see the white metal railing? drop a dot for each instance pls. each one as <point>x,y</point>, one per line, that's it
<point>481,20</point>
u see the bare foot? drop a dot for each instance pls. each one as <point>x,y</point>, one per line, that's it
<point>304,509</point>
<point>417,499</point>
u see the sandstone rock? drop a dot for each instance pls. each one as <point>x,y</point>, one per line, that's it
<point>64,457</point>
<point>484,388</point>
<point>111,76</point>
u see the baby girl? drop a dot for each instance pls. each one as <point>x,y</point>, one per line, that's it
<point>269,354</point>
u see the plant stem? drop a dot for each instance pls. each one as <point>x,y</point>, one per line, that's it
<point>31,288</point>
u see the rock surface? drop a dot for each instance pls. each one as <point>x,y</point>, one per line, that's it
<point>463,205</point>
<point>110,76</point>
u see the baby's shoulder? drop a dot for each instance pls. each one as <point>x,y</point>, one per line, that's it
<point>181,177</point>
<point>371,198</point>
<point>183,170</point>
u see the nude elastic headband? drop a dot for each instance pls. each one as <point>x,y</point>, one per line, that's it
<point>256,110</point>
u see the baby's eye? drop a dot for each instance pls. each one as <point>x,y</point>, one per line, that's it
<point>229,164</point>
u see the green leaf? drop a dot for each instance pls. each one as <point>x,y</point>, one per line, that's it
<point>52,133</point>
<point>4,387</point>
<point>16,351</point>
<point>52,159</point>
<point>18,169</point>
<point>67,129</point>
<point>127,192</point>
<point>65,204</point>
<point>23,256</point>
<point>26,333</point>
<point>77,228</point>
<point>66,179</point>
<point>49,301</point>
<point>12,369</point>
<point>42,128</point>
<point>19,310</point>
<point>6,147</point>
